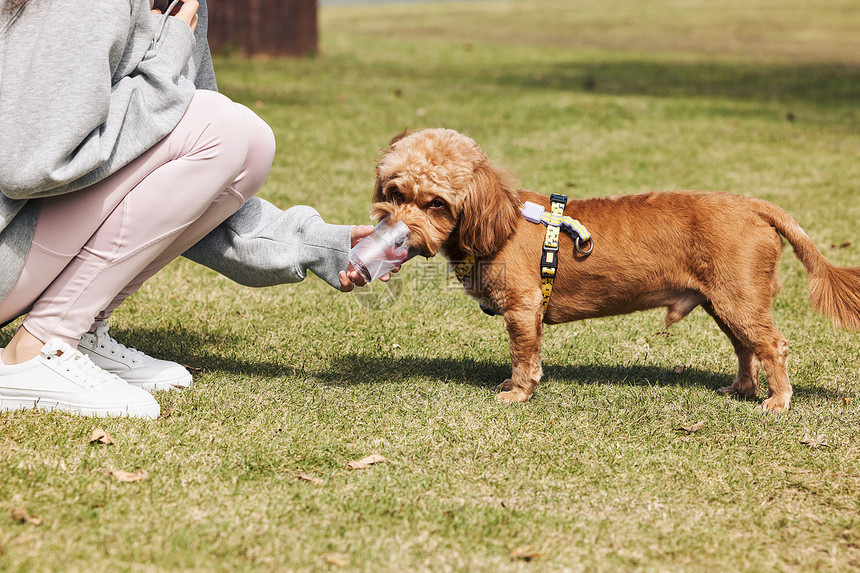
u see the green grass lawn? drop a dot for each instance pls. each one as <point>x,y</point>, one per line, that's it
<point>585,98</point>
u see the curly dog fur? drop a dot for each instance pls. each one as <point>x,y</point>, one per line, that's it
<point>677,250</point>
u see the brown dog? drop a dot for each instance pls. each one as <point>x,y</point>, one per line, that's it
<point>678,250</point>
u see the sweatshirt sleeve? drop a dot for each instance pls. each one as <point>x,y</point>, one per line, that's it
<point>261,245</point>
<point>84,91</point>
<point>205,79</point>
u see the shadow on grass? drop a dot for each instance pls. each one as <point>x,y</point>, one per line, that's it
<point>356,369</point>
<point>189,348</point>
<point>363,369</point>
<point>812,83</point>
<point>824,83</point>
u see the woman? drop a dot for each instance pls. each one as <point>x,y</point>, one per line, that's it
<point>113,164</point>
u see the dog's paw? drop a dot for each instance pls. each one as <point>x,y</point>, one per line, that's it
<point>736,393</point>
<point>512,396</point>
<point>506,385</point>
<point>776,404</point>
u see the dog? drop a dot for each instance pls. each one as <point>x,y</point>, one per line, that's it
<point>678,250</point>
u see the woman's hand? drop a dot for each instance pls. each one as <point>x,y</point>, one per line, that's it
<point>350,278</point>
<point>185,11</point>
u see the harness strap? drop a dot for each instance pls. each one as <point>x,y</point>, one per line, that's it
<point>549,258</point>
<point>534,213</point>
<point>554,220</point>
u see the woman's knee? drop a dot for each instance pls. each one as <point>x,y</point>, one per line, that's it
<point>261,154</point>
<point>220,133</point>
<point>238,145</point>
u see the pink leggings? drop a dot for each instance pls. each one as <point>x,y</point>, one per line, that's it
<point>94,247</point>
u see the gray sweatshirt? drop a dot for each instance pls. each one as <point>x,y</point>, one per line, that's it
<point>78,103</point>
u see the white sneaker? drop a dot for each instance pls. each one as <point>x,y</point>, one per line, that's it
<point>62,378</point>
<point>132,365</point>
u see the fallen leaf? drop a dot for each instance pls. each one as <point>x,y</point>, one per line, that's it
<point>815,444</point>
<point>101,437</point>
<point>192,368</point>
<point>336,560</point>
<point>524,554</point>
<point>365,463</point>
<point>167,413</point>
<point>846,400</point>
<point>23,516</point>
<point>505,504</point>
<point>312,479</point>
<point>691,429</point>
<point>679,369</point>
<point>122,475</point>
<point>844,245</point>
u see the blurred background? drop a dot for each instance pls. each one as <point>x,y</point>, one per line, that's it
<point>274,27</point>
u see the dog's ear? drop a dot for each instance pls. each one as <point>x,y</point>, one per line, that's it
<point>381,207</point>
<point>490,211</point>
<point>377,190</point>
<point>406,131</point>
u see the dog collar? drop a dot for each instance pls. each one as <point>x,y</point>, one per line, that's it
<point>461,271</point>
<point>463,268</point>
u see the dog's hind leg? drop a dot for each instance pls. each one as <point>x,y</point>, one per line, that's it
<point>755,332</point>
<point>746,384</point>
<point>524,329</point>
<point>774,359</point>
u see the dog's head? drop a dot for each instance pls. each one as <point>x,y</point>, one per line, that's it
<point>445,189</point>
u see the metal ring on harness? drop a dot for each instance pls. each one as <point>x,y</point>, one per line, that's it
<point>589,242</point>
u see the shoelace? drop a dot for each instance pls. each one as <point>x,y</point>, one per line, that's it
<point>78,366</point>
<point>106,342</point>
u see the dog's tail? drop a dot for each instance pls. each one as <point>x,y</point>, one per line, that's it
<point>835,291</point>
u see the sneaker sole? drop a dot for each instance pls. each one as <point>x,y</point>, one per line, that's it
<point>175,384</point>
<point>148,411</point>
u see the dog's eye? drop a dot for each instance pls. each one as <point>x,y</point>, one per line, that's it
<point>436,204</point>
<point>397,196</point>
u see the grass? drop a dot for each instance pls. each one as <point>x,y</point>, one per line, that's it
<point>594,474</point>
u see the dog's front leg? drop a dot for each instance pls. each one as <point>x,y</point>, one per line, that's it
<point>524,329</point>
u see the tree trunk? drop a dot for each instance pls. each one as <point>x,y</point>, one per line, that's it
<point>264,27</point>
